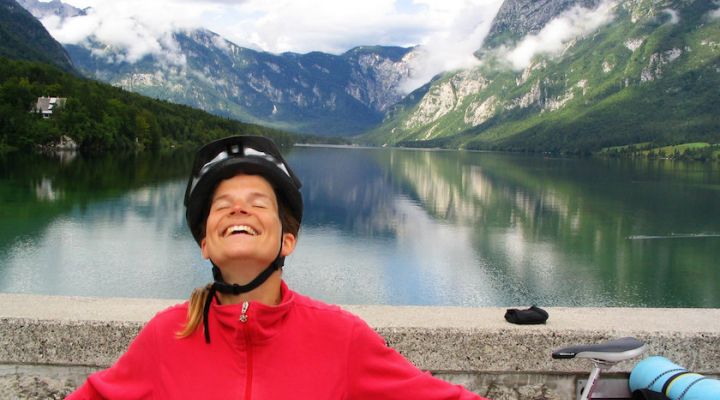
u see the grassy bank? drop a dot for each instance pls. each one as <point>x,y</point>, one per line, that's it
<point>695,151</point>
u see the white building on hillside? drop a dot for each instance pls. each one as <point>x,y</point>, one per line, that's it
<point>46,105</point>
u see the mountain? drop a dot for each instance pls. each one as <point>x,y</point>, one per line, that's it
<point>517,18</point>
<point>22,37</point>
<point>100,117</point>
<point>95,116</point>
<point>56,8</point>
<point>314,93</point>
<point>571,76</point>
<point>638,71</point>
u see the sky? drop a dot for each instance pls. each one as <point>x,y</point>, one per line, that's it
<point>332,26</point>
<point>448,31</point>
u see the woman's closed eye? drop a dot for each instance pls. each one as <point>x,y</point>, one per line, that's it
<point>221,205</point>
<point>257,200</point>
<point>261,204</point>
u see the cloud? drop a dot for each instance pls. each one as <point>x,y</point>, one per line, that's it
<point>674,15</point>
<point>133,28</point>
<point>555,36</point>
<point>71,30</point>
<point>332,26</point>
<point>221,43</point>
<point>716,12</point>
<point>449,31</point>
<point>452,49</point>
<point>335,26</point>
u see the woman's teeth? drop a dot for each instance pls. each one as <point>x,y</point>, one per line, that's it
<point>240,229</point>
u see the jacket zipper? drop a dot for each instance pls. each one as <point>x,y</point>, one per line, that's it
<point>248,351</point>
<point>243,313</point>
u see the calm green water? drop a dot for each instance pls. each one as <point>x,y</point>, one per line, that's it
<point>384,226</point>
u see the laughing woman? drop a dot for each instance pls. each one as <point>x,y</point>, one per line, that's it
<point>247,335</point>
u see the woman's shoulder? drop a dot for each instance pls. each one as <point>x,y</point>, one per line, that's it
<point>170,315</point>
<point>320,309</point>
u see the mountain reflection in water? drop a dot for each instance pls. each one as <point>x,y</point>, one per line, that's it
<point>383,226</point>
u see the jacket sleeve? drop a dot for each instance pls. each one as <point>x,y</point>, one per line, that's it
<point>130,377</point>
<point>378,372</point>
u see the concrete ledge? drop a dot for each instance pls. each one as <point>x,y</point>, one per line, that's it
<point>474,346</point>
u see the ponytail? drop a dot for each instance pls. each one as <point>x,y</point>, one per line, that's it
<point>195,311</point>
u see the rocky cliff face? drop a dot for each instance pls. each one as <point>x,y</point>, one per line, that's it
<point>517,18</point>
<point>377,73</point>
<point>310,93</point>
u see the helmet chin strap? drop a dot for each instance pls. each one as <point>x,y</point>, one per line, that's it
<point>219,285</point>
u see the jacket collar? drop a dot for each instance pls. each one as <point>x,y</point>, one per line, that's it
<point>263,321</point>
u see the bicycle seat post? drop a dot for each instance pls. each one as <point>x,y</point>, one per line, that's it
<point>603,355</point>
<point>598,367</point>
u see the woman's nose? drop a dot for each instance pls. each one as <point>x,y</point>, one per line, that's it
<point>239,208</point>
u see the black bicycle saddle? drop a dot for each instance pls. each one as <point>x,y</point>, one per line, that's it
<point>610,351</point>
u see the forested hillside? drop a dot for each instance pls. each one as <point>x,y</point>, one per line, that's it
<point>22,37</point>
<point>101,117</point>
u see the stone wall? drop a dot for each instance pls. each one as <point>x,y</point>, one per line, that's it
<point>48,345</point>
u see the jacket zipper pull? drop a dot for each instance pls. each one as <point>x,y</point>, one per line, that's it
<point>243,313</point>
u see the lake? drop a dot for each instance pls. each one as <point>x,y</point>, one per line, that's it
<point>383,226</point>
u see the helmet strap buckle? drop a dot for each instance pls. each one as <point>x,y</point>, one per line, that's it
<point>234,289</point>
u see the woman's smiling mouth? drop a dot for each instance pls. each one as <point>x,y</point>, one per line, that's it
<point>240,229</point>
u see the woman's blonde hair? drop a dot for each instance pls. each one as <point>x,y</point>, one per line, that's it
<point>290,224</point>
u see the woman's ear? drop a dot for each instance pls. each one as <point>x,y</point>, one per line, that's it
<point>288,244</point>
<point>203,249</point>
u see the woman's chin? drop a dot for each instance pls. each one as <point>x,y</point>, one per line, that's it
<point>241,258</point>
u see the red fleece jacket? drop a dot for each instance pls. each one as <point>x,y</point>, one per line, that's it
<point>301,349</point>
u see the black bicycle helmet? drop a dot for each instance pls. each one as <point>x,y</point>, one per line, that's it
<point>225,158</point>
